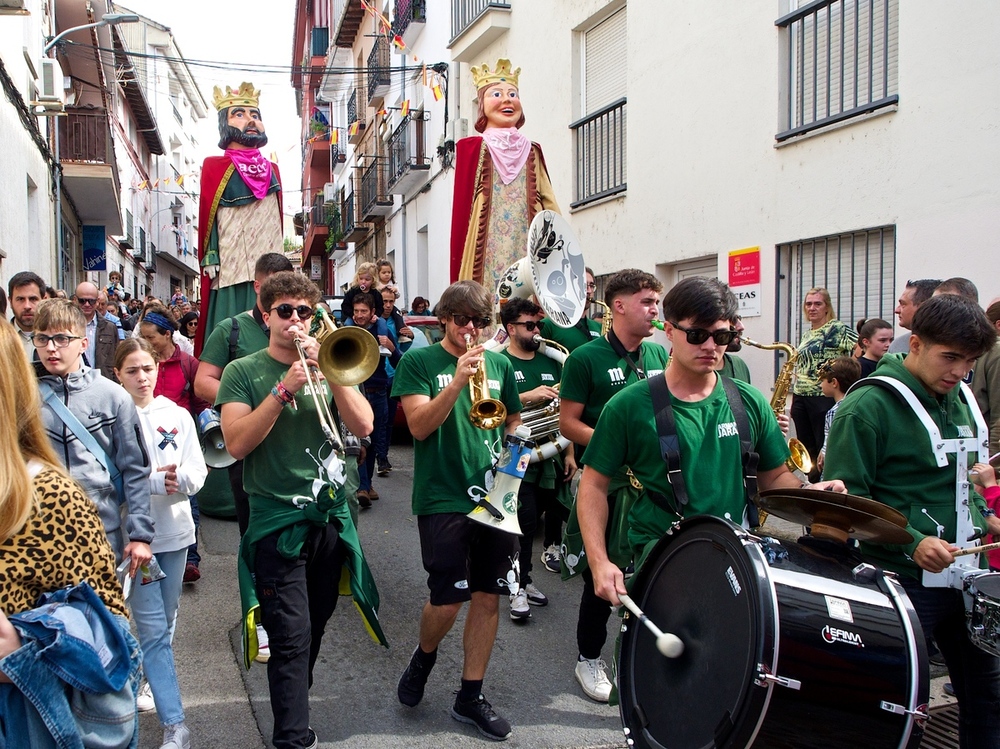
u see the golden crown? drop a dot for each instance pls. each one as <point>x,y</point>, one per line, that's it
<point>244,96</point>
<point>482,77</point>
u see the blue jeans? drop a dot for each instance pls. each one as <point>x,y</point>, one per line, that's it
<point>154,608</point>
<point>974,673</point>
<point>193,556</point>
<point>379,402</point>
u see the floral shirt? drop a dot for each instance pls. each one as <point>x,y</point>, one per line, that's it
<point>817,347</point>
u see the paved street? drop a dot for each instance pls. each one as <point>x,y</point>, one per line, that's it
<point>353,702</point>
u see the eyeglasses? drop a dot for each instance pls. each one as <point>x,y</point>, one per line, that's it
<point>697,336</point>
<point>477,322</point>
<point>529,325</point>
<point>285,311</point>
<point>84,302</point>
<point>591,285</point>
<point>61,340</point>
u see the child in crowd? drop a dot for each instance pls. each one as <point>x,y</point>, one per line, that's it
<point>874,338</point>
<point>835,379</point>
<point>984,479</point>
<point>386,277</point>
<point>364,283</point>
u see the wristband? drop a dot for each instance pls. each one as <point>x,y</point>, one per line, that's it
<point>282,394</point>
<point>988,513</point>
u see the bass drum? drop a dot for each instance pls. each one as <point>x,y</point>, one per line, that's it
<point>785,646</point>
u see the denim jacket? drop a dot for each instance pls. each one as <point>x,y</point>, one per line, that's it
<point>74,677</point>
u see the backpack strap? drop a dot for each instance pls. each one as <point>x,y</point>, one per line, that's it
<point>234,337</point>
<point>81,433</point>
<point>749,456</point>
<point>670,446</point>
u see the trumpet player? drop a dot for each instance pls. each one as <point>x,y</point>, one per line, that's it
<point>292,551</point>
<point>465,561</point>
<point>547,481</point>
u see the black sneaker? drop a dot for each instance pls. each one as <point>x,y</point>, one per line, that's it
<point>384,466</point>
<point>312,740</point>
<point>410,689</point>
<point>481,714</point>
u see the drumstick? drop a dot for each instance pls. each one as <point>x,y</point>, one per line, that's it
<point>667,643</point>
<point>976,549</point>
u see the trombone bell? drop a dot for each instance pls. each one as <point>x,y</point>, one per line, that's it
<point>347,356</point>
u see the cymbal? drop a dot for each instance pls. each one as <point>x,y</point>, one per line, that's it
<point>837,516</point>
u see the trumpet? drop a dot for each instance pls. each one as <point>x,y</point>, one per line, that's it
<point>353,350</point>
<point>486,412</point>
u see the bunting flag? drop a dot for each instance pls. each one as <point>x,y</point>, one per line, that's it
<point>381,112</point>
<point>424,73</point>
<point>398,41</point>
<point>353,129</point>
<point>142,185</point>
<point>404,108</point>
<point>180,180</point>
<point>166,181</point>
<point>436,90</point>
<point>156,183</point>
<point>334,136</point>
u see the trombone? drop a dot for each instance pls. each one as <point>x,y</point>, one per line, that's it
<point>347,356</point>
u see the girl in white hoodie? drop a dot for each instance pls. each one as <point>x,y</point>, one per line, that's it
<point>177,469</point>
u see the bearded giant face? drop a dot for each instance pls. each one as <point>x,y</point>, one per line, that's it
<point>242,126</point>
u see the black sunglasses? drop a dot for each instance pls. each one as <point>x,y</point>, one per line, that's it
<point>529,325</point>
<point>285,311</point>
<point>477,322</point>
<point>697,336</point>
<point>86,301</point>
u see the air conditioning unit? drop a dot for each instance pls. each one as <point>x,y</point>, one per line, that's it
<point>330,192</point>
<point>50,88</point>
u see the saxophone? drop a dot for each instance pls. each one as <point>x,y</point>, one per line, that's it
<point>800,456</point>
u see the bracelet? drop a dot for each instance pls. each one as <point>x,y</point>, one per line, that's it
<point>282,395</point>
<point>988,513</point>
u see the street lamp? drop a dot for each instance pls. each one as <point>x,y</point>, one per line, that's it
<point>109,19</point>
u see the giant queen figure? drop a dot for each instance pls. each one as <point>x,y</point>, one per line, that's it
<point>500,182</point>
<point>239,215</point>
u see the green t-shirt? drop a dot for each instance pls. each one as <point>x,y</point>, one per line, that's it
<point>594,373</point>
<point>454,463</point>
<point>295,453</point>
<point>585,331</point>
<point>529,374</point>
<point>251,339</point>
<point>735,368</point>
<point>711,459</point>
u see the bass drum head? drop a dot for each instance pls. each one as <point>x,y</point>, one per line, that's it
<point>702,585</point>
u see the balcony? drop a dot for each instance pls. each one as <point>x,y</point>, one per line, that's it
<point>318,149</point>
<point>317,229</point>
<point>347,18</point>
<point>475,25</point>
<point>378,72</point>
<point>354,115</point>
<point>375,198</point>
<point>408,19</point>
<point>338,157</point>
<point>353,230</point>
<point>408,166</point>
<point>600,144</point>
<point>90,173</point>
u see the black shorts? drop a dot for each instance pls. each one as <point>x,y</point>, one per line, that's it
<point>462,556</point>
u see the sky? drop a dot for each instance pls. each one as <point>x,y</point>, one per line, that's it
<point>209,30</point>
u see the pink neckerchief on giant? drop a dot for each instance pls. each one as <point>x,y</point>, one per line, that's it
<point>509,150</point>
<point>253,168</point>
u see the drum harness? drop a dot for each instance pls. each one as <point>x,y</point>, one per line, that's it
<point>953,576</point>
<point>670,448</point>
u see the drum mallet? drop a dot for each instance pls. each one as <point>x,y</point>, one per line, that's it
<point>975,549</point>
<point>667,643</point>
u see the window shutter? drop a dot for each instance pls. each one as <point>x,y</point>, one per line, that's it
<point>604,56</point>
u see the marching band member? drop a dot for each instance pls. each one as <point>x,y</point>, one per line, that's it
<point>879,447</point>
<point>592,375</point>
<point>465,560</point>
<point>300,532</point>
<point>537,377</point>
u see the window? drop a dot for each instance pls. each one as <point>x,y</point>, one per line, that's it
<point>857,268</point>
<point>840,62</point>
<point>600,136</point>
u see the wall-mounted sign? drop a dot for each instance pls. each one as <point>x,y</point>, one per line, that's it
<point>744,279</point>
<point>316,268</point>
<point>95,253</point>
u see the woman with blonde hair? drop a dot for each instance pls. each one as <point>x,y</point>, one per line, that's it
<point>826,338</point>
<point>51,541</point>
<point>364,283</point>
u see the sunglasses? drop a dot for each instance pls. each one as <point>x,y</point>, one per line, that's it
<point>477,322</point>
<point>529,325</point>
<point>285,311</point>
<point>61,340</point>
<point>697,336</point>
<point>84,302</point>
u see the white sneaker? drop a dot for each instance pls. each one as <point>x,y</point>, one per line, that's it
<point>535,596</point>
<point>550,559</point>
<point>593,679</point>
<point>144,700</point>
<point>263,649</point>
<point>176,736</point>
<point>519,610</point>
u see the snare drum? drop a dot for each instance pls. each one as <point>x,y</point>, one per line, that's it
<point>983,597</point>
<point>785,645</point>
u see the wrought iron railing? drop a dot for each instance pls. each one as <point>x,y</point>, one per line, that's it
<point>373,185</point>
<point>406,12</point>
<point>405,150</point>
<point>83,136</point>
<point>465,12</point>
<point>841,58</point>
<point>348,214</point>
<point>378,67</point>
<point>600,144</point>
<point>352,107</point>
